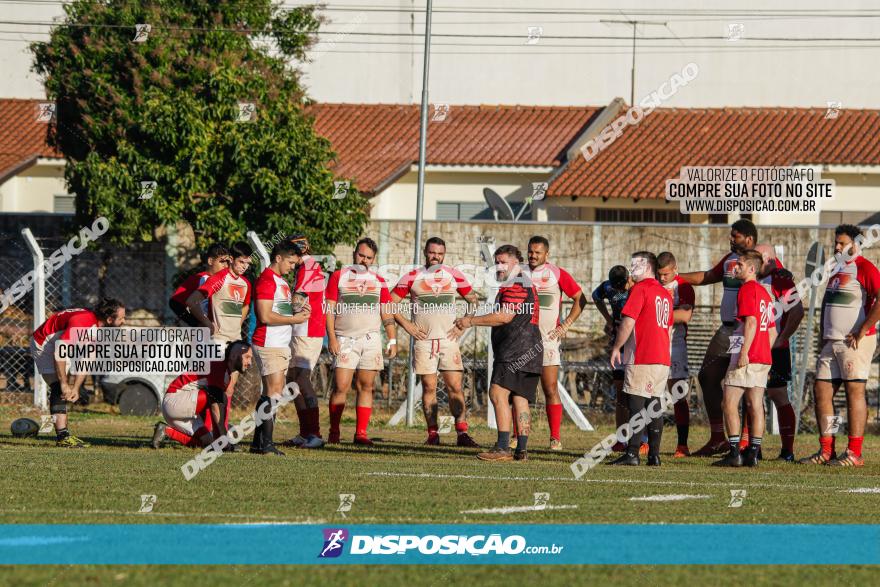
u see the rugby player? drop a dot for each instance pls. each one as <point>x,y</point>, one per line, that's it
<point>551,282</point>
<point>517,351</point>
<point>849,337</point>
<point>683,299</point>
<point>275,319</point>
<point>743,236</point>
<point>433,290</point>
<point>615,289</point>
<point>306,344</point>
<point>192,399</point>
<point>228,295</point>
<point>358,305</point>
<point>64,388</point>
<point>750,361</point>
<point>216,258</point>
<point>644,337</point>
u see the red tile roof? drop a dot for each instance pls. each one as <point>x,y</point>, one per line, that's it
<point>22,137</point>
<point>639,162</point>
<point>376,143</point>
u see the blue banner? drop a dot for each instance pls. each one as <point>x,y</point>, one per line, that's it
<point>534,544</point>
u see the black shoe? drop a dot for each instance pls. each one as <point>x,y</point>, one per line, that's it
<point>653,460</point>
<point>786,456</point>
<point>751,456</point>
<point>521,455</point>
<point>158,435</point>
<point>733,459</point>
<point>269,449</point>
<point>231,448</point>
<point>760,454</point>
<point>626,459</point>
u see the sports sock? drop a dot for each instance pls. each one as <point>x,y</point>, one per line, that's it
<point>554,419</point>
<point>201,401</point>
<point>744,437</point>
<point>682,420</point>
<point>62,434</point>
<point>432,431</point>
<point>184,439</point>
<point>755,442</point>
<point>503,440</point>
<point>257,442</point>
<point>521,442</point>
<point>716,427</point>
<point>655,432</point>
<point>336,417</point>
<point>303,416</point>
<point>635,404</point>
<point>787,420</point>
<point>855,445</point>
<point>313,417</point>
<point>827,445</point>
<point>461,427</point>
<point>362,420</point>
<point>734,443</point>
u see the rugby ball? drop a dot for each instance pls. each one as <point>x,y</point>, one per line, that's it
<point>24,428</point>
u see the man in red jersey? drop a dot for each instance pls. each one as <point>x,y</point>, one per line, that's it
<point>683,300</point>
<point>306,343</point>
<point>271,339</point>
<point>644,339</point>
<point>551,282</point>
<point>750,361</point>
<point>849,337</point>
<point>192,399</point>
<point>743,236</point>
<point>216,259</point>
<point>358,306</point>
<point>228,297</point>
<point>433,290</point>
<point>108,313</point>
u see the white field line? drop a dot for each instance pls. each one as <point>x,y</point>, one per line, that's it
<point>610,481</point>
<point>670,497</point>
<point>270,519</point>
<point>861,490</point>
<point>519,508</point>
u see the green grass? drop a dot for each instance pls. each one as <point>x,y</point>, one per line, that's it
<point>402,481</point>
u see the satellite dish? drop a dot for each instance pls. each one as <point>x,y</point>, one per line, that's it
<point>500,208</point>
<point>815,258</point>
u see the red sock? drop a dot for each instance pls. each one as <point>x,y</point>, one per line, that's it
<point>303,417</point>
<point>184,439</point>
<point>363,420</point>
<point>432,430</point>
<point>717,430</point>
<point>787,422</point>
<point>855,445</point>
<point>461,427</point>
<point>554,418</point>
<point>513,427</point>
<point>314,421</point>
<point>744,437</point>
<point>336,417</point>
<point>827,444</point>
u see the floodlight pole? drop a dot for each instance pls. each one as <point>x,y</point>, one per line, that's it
<point>420,202</point>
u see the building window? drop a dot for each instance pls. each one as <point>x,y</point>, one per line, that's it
<point>64,204</point>
<point>644,215</point>
<point>463,211</point>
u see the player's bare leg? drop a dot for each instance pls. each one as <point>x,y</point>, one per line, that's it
<point>856,419</point>
<point>550,385</point>
<point>754,407</point>
<point>306,404</point>
<point>500,398</point>
<point>342,379</point>
<point>458,407</point>
<point>429,407</point>
<point>787,421</point>
<point>732,422</point>
<point>823,394</point>
<point>364,382</point>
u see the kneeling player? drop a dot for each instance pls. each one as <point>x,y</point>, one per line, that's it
<point>109,313</point>
<point>749,363</point>
<point>191,399</point>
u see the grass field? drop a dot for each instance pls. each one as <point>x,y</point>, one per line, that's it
<point>402,481</point>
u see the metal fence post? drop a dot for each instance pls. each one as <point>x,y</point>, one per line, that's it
<point>39,308</point>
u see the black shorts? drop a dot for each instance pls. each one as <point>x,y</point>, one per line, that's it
<point>780,370</point>
<point>618,375</point>
<point>518,382</point>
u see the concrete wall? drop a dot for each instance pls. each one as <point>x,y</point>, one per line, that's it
<point>33,189</point>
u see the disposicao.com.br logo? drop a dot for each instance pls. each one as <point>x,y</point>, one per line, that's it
<point>431,544</point>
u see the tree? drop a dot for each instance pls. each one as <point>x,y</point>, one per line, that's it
<point>171,104</point>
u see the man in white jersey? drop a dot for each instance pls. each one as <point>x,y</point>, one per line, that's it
<point>743,236</point>
<point>551,282</point>
<point>228,295</point>
<point>433,290</point>
<point>275,319</point>
<point>849,337</point>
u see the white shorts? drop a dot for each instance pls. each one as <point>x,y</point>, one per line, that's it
<point>838,361</point>
<point>551,352</point>
<point>272,359</point>
<point>363,352</point>
<point>44,356</point>
<point>305,351</point>
<point>679,368</point>
<point>436,354</point>
<point>645,380</point>
<point>752,375</point>
<point>179,411</point>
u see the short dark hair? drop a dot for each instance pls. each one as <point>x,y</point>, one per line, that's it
<point>665,259</point>
<point>849,230</point>
<point>369,242</point>
<point>435,240</point>
<point>753,258</point>
<point>648,256</point>
<point>285,248</point>
<point>618,275</point>
<point>539,240</point>
<point>746,227</point>
<point>241,342</point>
<point>301,240</point>
<point>107,308</point>
<point>214,251</point>
<point>509,250</point>
<point>240,249</point>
